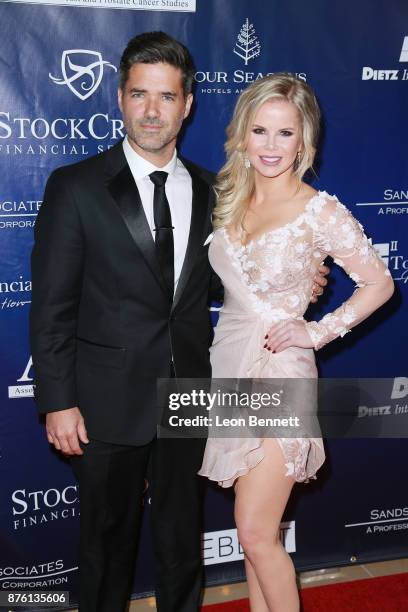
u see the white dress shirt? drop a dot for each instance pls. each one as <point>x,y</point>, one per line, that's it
<point>179,192</point>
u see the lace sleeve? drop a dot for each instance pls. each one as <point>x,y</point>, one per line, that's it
<point>339,234</point>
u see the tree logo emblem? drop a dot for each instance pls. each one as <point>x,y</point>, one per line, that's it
<point>247,46</point>
<point>81,75</point>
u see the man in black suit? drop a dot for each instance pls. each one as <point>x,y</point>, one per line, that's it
<point>121,286</point>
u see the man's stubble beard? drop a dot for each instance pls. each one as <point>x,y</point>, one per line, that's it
<point>152,143</point>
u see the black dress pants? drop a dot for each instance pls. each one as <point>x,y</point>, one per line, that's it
<point>112,480</point>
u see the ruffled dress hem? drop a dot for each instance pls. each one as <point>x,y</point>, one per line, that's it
<point>225,473</point>
<point>213,471</point>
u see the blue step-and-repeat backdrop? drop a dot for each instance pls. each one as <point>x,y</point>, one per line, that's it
<point>58,82</point>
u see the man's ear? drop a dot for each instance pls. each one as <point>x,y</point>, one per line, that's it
<point>189,102</point>
<point>120,95</point>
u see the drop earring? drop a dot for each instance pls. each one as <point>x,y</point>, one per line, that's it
<point>247,163</point>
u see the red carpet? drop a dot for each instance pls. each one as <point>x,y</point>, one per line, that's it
<point>384,594</point>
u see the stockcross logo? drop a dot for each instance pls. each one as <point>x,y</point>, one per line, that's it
<point>247,46</point>
<point>82,71</point>
<point>35,508</point>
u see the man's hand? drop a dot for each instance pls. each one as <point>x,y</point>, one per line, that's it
<point>319,282</point>
<point>64,430</point>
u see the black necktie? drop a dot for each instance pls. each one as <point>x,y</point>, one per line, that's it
<point>163,229</point>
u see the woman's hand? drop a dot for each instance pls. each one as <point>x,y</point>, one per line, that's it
<point>319,282</point>
<point>287,333</point>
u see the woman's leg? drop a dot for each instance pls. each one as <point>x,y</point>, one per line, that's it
<point>261,498</point>
<point>256,598</point>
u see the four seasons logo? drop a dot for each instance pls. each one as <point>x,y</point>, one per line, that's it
<point>247,46</point>
<point>223,82</point>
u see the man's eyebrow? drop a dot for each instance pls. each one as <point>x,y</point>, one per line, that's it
<point>162,93</point>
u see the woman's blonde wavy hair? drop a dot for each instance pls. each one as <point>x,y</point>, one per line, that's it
<point>235,182</point>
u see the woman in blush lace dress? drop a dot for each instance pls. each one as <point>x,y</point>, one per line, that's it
<point>271,232</point>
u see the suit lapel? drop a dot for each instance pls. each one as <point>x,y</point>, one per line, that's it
<point>123,189</point>
<point>198,224</point>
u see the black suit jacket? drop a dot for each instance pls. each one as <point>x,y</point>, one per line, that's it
<point>102,326</point>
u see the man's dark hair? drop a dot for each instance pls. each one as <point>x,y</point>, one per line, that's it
<point>154,48</point>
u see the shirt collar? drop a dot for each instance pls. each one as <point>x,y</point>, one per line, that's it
<point>140,167</point>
